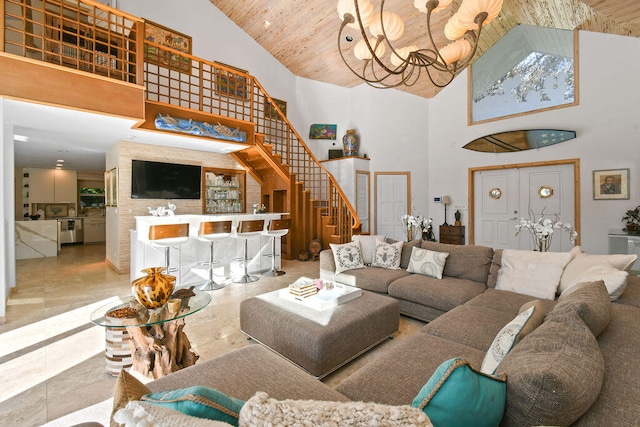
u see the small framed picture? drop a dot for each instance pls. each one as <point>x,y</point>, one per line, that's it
<point>271,113</point>
<point>611,184</point>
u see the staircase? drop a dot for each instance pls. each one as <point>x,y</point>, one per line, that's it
<point>291,177</point>
<point>188,87</point>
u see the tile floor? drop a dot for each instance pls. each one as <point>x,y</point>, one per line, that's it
<point>52,368</point>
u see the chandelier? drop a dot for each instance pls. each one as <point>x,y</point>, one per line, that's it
<point>404,65</point>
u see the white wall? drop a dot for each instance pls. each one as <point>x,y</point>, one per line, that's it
<point>606,122</point>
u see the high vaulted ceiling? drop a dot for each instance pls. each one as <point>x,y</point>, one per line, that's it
<point>303,35</point>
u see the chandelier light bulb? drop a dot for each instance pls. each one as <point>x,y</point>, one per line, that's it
<point>391,24</point>
<point>362,52</point>
<point>455,51</point>
<point>349,7</point>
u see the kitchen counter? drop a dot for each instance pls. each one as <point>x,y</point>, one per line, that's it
<point>36,239</point>
<point>191,254</point>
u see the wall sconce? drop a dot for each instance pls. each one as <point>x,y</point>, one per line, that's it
<point>445,201</point>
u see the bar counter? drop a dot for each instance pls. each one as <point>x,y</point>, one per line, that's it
<point>189,256</point>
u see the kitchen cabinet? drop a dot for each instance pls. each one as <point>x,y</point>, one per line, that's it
<point>223,191</point>
<point>94,229</point>
<point>53,186</point>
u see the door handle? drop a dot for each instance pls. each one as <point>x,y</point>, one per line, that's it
<point>515,218</point>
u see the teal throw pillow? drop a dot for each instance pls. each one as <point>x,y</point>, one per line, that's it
<point>457,395</point>
<point>199,401</point>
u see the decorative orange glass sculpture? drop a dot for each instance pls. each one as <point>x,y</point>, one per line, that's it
<point>154,289</point>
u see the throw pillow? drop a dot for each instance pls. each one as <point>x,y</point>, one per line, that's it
<point>367,245</point>
<point>138,413</point>
<point>346,256</point>
<point>457,395</point>
<point>615,280</point>
<point>535,320</point>
<point>590,300</point>
<point>582,261</point>
<point>388,255</point>
<point>504,341</point>
<point>554,375</point>
<point>127,388</point>
<point>261,410</point>
<point>199,401</point>
<point>426,262</point>
<point>532,273</point>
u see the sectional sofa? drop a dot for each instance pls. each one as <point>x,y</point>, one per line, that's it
<point>574,362</point>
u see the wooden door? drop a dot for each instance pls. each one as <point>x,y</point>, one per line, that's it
<point>392,191</point>
<point>501,197</point>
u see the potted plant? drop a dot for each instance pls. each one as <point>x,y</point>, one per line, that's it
<point>632,219</point>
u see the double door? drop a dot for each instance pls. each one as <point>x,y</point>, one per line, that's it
<point>503,196</point>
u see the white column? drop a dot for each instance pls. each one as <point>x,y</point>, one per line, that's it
<point>7,201</point>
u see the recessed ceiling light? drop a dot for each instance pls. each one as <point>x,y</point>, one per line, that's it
<point>266,24</point>
<point>21,138</point>
<point>60,161</point>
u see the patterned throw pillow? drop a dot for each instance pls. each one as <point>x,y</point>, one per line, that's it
<point>504,341</point>
<point>387,255</point>
<point>426,262</point>
<point>347,256</point>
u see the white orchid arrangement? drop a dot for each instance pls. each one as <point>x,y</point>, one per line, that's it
<point>541,230</point>
<point>413,223</point>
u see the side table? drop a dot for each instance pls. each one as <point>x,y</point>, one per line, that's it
<point>452,234</point>
<point>157,344</point>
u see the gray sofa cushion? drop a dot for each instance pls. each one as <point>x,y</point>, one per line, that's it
<point>590,300</point>
<point>397,375</point>
<point>631,294</point>
<point>620,394</point>
<point>507,301</point>
<point>464,261</point>
<point>469,325</point>
<point>553,375</point>
<point>442,294</point>
<point>375,279</point>
<point>242,372</point>
<point>406,251</point>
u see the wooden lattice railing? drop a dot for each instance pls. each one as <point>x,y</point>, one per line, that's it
<point>91,37</point>
<point>83,35</point>
<point>194,83</point>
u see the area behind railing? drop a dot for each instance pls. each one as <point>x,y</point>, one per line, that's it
<point>94,38</point>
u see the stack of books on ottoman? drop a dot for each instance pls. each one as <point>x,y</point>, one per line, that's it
<point>303,288</point>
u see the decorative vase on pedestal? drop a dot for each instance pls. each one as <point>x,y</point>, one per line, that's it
<point>154,289</point>
<point>350,143</point>
<point>543,245</point>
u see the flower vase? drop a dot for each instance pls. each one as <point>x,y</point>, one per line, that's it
<point>350,143</point>
<point>154,289</point>
<point>543,245</point>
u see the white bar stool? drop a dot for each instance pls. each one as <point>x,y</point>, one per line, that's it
<point>212,231</point>
<point>168,235</point>
<point>244,230</point>
<point>277,228</point>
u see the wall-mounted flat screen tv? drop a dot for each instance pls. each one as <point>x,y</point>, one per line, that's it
<point>157,180</point>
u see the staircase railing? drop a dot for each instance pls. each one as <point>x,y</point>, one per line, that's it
<point>215,88</point>
<point>91,37</point>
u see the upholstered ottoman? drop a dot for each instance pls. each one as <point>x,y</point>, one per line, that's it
<point>319,341</point>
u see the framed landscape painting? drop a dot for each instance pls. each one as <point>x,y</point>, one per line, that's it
<point>231,84</point>
<point>611,184</point>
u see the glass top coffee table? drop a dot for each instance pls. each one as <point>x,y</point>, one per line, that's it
<point>138,338</point>
<point>144,317</point>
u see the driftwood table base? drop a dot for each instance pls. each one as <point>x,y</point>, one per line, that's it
<point>159,350</point>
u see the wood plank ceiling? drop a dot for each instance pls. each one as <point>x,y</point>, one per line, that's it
<point>303,34</point>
